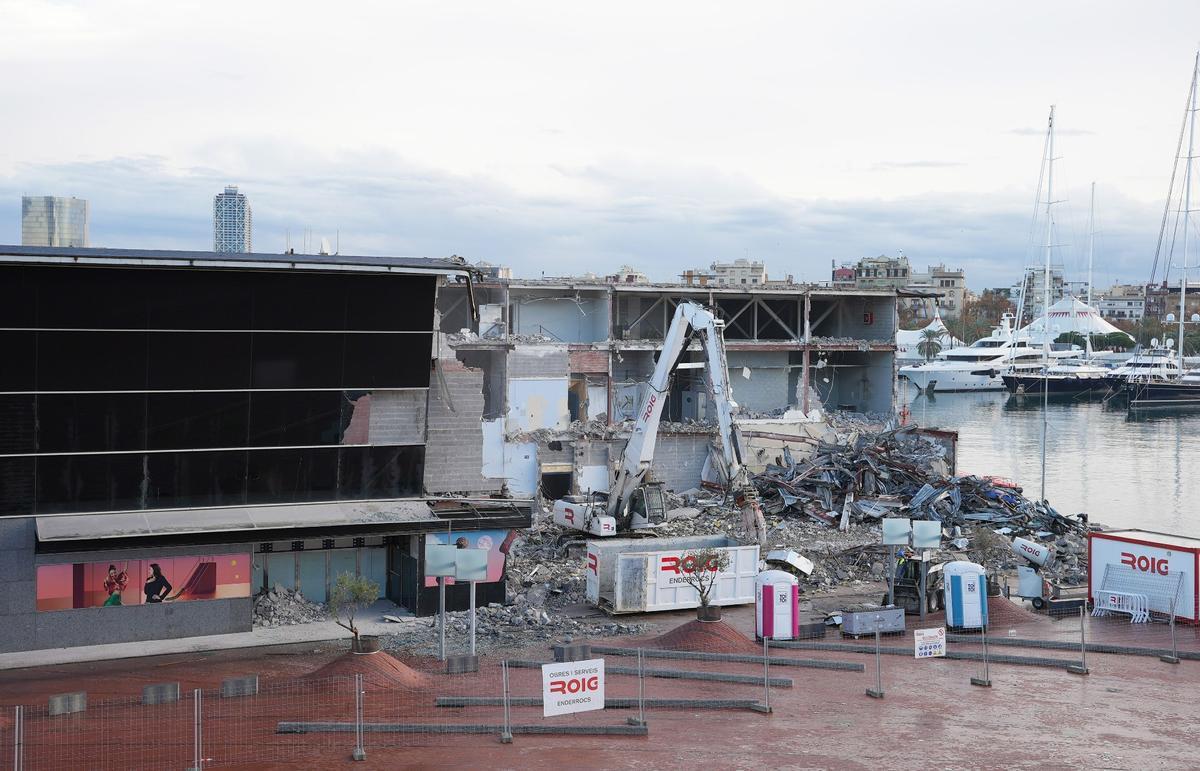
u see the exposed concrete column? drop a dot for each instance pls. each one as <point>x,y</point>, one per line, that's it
<point>807,342</point>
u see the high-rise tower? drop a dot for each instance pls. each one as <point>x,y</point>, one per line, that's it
<point>231,222</point>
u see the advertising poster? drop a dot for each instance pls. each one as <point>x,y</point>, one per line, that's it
<point>495,542</point>
<point>118,582</point>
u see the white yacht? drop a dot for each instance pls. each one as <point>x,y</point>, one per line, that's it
<point>1156,365</point>
<point>980,365</point>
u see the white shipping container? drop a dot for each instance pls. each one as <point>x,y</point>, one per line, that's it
<point>1146,552</point>
<point>625,576</point>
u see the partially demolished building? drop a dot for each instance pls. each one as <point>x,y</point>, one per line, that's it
<point>183,431</point>
<point>533,399</point>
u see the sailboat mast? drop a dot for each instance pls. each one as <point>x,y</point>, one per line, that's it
<point>1046,291</point>
<point>1091,253</point>
<point>1187,207</point>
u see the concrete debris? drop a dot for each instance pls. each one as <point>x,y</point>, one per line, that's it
<point>503,627</point>
<point>897,472</point>
<point>283,607</point>
<point>875,471</point>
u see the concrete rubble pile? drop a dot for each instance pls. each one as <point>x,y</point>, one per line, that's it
<point>599,428</point>
<point>283,607</point>
<point>899,473</point>
<point>868,474</point>
<point>696,512</point>
<point>502,627</point>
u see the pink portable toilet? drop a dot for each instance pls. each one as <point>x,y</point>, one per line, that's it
<point>777,605</point>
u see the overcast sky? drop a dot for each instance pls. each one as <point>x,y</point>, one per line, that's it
<point>566,137</point>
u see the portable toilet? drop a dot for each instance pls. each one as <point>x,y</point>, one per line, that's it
<point>965,584</point>
<point>777,605</point>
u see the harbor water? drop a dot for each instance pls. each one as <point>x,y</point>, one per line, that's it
<point>1124,471</point>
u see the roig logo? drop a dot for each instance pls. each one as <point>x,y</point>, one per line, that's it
<point>688,564</point>
<point>575,685</point>
<point>1145,564</point>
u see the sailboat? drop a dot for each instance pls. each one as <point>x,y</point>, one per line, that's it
<point>1184,390</point>
<point>1072,376</point>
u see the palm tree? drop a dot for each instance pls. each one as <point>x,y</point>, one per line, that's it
<point>931,343</point>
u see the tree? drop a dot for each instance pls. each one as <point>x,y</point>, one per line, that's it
<point>350,595</point>
<point>979,316</point>
<point>700,569</point>
<point>1113,341</point>
<point>931,343</point>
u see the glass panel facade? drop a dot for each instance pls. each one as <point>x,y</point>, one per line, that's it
<point>133,388</point>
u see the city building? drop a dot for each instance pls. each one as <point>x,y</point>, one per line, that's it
<point>48,220</point>
<point>882,272</point>
<point>1034,287</point>
<point>1077,289</point>
<point>843,277</point>
<point>1123,301</point>
<point>627,274</point>
<point>209,426</point>
<point>951,285</point>
<point>232,222</point>
<point>488,270</point>
<point>698,277</point>
<point>1170,299</point>
<point>740,272</point>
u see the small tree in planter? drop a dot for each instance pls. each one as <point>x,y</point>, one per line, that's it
<point>699,569</point>
<point>350,595</point>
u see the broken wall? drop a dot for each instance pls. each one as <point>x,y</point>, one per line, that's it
<point>454,432</point>
<point>395,417</point>
<point>767,388</point>
<point>678,459</point>
<point>631,370</point>
<point>869,318</point>
<point>568,318</point>
<point>857,380</point>
<point>537,388</point>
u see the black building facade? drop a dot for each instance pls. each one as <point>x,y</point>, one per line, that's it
<point>242,423</point>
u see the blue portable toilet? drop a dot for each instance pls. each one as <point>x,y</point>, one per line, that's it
<point>965,585</point>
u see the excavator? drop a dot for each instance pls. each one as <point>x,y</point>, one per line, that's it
<point>633,501</point>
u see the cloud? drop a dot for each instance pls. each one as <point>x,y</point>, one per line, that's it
<point>661,218</point>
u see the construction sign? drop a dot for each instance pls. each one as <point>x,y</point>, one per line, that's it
<point>929,643</point>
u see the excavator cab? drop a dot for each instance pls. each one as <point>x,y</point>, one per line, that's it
<point>648,506</point>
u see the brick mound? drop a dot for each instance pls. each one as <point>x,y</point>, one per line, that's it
<point>379,670</point>
<point>1002,611</point>
<point>705,637</point>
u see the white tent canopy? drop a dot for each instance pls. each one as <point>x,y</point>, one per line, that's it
<point>1070,315</point>
<point>907,340</point>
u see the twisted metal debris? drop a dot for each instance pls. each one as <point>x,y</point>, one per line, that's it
<point>897,472</point>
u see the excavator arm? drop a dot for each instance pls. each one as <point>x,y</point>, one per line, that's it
<point>690,320</point>
<point>632,503</point>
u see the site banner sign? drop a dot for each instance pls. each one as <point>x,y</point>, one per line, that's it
<point>119,581</point>
<point>572,686</point>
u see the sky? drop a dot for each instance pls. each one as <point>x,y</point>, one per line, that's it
<point>560,138</point>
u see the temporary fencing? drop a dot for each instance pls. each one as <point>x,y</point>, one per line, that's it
<point>323,720</point>
<point>376,703</point>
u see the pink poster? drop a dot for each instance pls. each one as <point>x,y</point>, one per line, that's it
<point>134,582</point>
